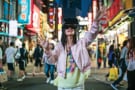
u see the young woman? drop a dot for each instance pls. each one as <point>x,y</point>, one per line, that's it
<point>73,62</point>
<point>131,66</point>
<point>49,67</point>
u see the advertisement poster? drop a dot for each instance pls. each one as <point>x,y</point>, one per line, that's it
<point>24,12</point>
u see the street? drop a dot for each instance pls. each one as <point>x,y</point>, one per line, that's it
<point>38,83</point>
<point>96,81</point>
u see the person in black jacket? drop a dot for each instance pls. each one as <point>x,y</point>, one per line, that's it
<point>22,62</point>
<point>38,53</point>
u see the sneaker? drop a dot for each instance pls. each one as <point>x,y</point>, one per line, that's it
<point>114,87</point>
<point>52,81</point>
<point>20,79</point>
<point>23,77</point>
<point>48,79</point>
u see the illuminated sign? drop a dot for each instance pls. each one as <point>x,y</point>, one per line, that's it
<point>13,31</point>
<point>24,14</point>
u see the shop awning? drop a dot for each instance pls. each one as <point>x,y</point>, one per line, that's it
<point>115,19</point>
<point>30,32</point>
<point>4,34</point>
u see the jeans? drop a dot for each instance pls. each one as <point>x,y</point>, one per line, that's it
<point>120,78</point>
<point>49,70</point>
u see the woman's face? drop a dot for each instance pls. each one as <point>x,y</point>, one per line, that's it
<point>69,31</point>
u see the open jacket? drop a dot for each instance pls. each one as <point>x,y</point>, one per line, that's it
<point>79,52</point>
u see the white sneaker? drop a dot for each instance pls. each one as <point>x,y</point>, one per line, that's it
<point>48,79</point>
<point>114,87</point>
<point>19,79</point>
<point>52,81</point>
<point>23,77</point>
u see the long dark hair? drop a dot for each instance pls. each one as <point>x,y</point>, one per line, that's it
<point>64,37</point>
<point>73,22</point>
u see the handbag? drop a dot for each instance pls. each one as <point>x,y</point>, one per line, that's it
<point>113,74</point>
<point>18,54</point>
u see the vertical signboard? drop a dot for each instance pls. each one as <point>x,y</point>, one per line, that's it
<point>89,20</point>
<point>6,10</point>
<point>36,18</point>
<point>13,31</point>
<point>24,14</point>
<point>114,9</point>
<point>11,10</point>
<point>59,18</point>
<point>94,6</point>
<point>51,13</point>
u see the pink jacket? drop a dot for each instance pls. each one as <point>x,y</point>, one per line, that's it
<point>79,52</point>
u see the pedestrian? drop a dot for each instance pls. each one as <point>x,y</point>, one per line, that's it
<point>37,55</point>
<point>22,62</point>
<point>49,67</point>
<point>99,58</point>
<point>117,54</point>
<point>123,64</point>
<point>9,54</point>
<point>1,66</point>
<point>73,62</point>
<point>104,57</point>
<point>111,56</point>
<point>131,67</point>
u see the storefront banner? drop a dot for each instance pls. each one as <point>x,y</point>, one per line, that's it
<point>35,26</point>
<point>13,31</point>
<point>114,9</point>
<point>36,18</point>
<point>6,11</point>
<point>94,7</point>
<point>24,14</point>
<point>11,9</point>
<point>29,25</point>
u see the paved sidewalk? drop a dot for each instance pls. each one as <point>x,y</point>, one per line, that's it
<point>99,74</point>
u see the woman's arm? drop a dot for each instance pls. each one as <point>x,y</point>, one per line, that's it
<point>93,32</point>
<point>52,53</point>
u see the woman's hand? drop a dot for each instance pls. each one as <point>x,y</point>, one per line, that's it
<point>100,14</point>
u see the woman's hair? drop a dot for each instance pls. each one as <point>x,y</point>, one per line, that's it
<point>111,48</point>
<point>73,22</point>
<point>125,43</point>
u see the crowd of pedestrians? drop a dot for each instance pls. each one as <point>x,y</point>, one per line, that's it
<point>71,58</point>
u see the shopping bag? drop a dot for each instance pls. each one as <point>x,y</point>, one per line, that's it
<point>3,77</point>
<point>113,74</point>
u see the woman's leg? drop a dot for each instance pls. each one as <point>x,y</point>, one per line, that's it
<point>47,70</point>
<point>52,69</point>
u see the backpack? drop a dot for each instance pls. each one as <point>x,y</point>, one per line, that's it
<point>23,53</point>
<point>110,56</point>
